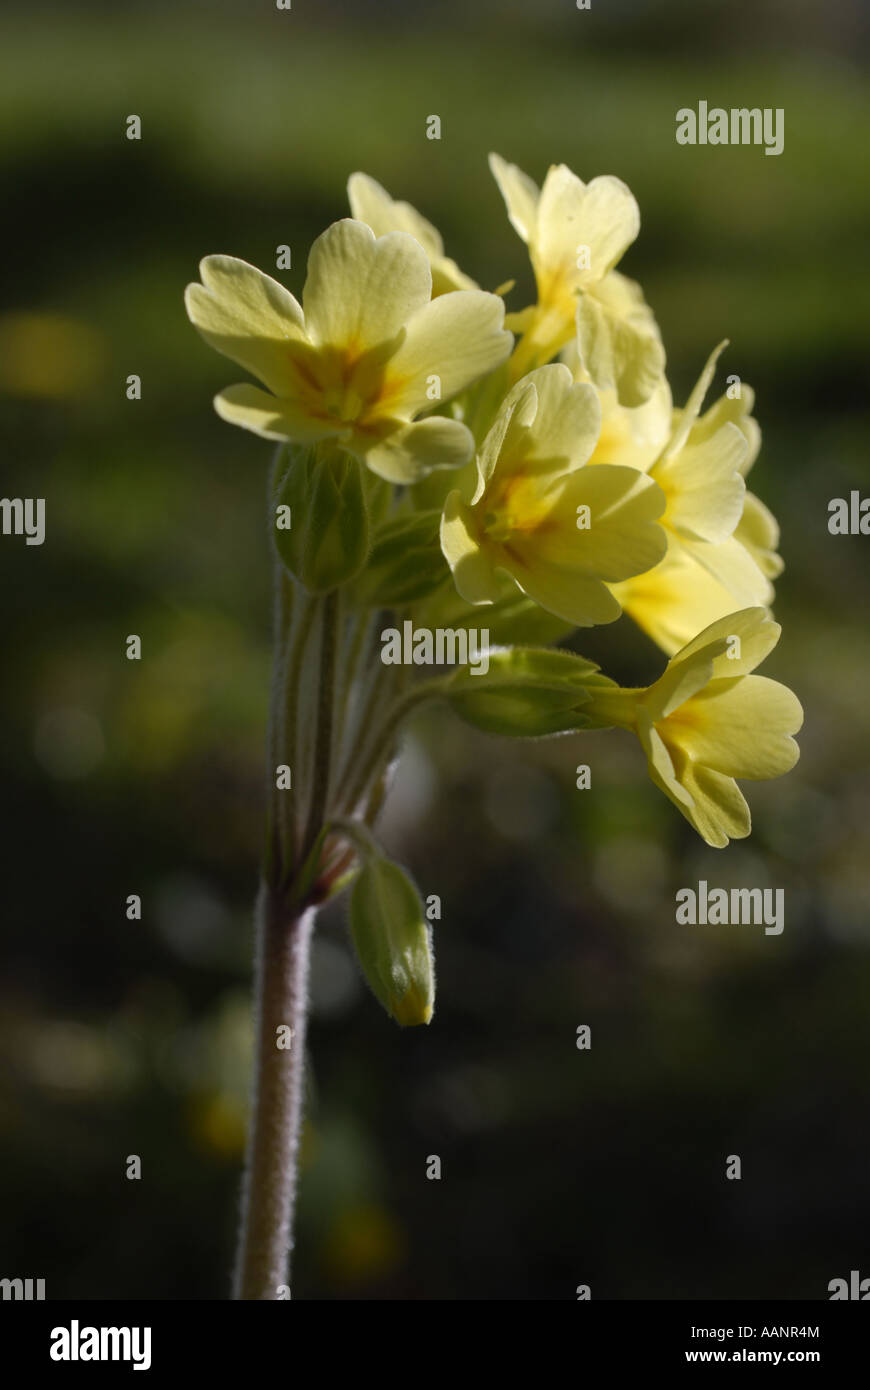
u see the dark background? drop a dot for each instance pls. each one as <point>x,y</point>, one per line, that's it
<point>560,1167</point>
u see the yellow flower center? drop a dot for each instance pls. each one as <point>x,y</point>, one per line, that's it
<point>676,730</point>
<point>517,505</point>
<point>345,383</point>
<point>558,294</point>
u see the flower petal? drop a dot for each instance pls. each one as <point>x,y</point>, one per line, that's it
<point>622,537</point>
<point>704,486</point>
<point>675,600</point>
<point>360,291</point>
<point>757,635</point>
<point>742,727</point>
<point>456,338</point>
<point>618,340</point>
<point>632,437</point>
<point>408,453</point>
<point>711,803</point>
<point>566,424</point>
<point>758,531</point>
<point>680,681</point>
<point>661,767</point>
<point>473,573</point>
<point>271,417</point>
<point>245,315</point>
<point>508,434</point>
<point>735,568</point>
<point>602,215</point>
<point>719,810</point>
<point>739,412</point>
<point>685,419</point>
<point>565,593</point>
<point>372,204</point>
<point>521,196</point>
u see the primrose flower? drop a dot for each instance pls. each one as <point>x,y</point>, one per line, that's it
<point>371,352</point>
<point>702,480</point>
<point>757,529</point>
<point>559,530</point>
<point>721,539</point>
<point>576,233</point>
<point>372,204</point>
<point>707,721</point>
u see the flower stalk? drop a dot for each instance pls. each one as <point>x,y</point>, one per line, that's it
<point>324,701</point>
<point>269,1194</point>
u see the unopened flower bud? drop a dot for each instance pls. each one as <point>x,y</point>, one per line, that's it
<point>392,940</point>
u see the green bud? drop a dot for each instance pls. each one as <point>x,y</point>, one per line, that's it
<point>379,497</point>
<point>327,541</point>
<point>406,561</point>
<point>527,692</point>
<point>392,940</point>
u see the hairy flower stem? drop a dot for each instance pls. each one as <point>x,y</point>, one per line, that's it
<point>284,926</point>
<point>281,990</point>
<point>284,930</point>
<point>284,941</point>
<point>325,726</point>
<point>373,763</point>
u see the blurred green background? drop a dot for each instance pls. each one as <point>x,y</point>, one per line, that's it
<point>560,1167</point>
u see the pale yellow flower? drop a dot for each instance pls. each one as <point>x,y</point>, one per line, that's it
<point>757,528</point>
<point>559,530</point>
<point>721,539</point>
<point>701,474</point>
<point>707,721</point>
<point>372,204</point>
<point>371,353</point>
<point>576,233</point>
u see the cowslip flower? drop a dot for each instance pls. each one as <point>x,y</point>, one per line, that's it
<point>576,233</point>
<point>372,204</point>
<point>703,483</point>
<point>721,539</point>
<point>370,353</point>
<point>757,530</point>
<point>708,721</point>
<point>555,527</point>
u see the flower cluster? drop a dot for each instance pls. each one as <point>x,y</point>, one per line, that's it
<point>454,464</point>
